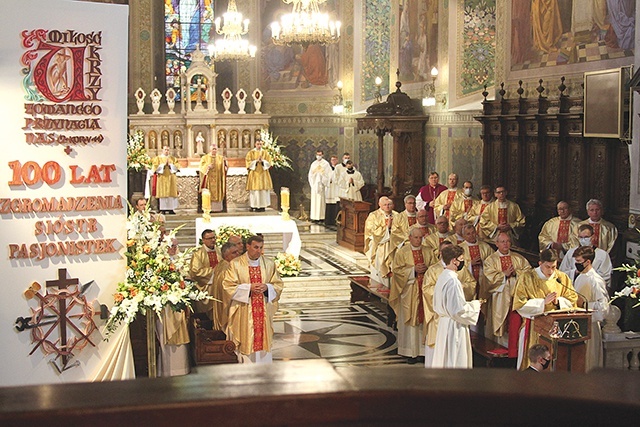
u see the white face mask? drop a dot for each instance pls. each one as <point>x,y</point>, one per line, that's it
<point>344,161</point>
<point>467,191</point>
<point>318,157</point>
<point>585,241</point>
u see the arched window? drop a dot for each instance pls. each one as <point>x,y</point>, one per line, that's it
<point>188,24</point>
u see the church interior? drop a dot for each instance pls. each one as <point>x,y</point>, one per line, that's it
<point>537,97</point>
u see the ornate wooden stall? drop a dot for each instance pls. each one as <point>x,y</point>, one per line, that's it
<point>536,147</point>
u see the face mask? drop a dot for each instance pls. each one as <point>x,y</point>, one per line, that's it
<point>585,241</point>
<point>545,365</point>
<point>344,161</point>
<point>318,157</point>
<point>349,170</point>
<point>467,191</point>
<point>461,265</point>
<point>580,267</point>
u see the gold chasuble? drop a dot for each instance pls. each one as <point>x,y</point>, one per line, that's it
<point>250,323</point>
<point>531,289</point>
<point>215,178</point>
<point>404,276</point>
<point>259,178</point>
<point>167,184</point>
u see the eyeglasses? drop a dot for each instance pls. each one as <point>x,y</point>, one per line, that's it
<point>500,192</point>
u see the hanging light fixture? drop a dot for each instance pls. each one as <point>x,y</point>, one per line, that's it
<point>232,46</point>
<point>305,25</point>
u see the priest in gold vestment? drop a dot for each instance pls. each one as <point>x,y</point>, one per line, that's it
<point>253,286</point>
<point>213,177</point>
<point>558,233</point>
<point>604,233</point>
<point>502,215</point>
<point>259,183</point>
<point>404,220</point>
<point>502,269</point>
<point>409,266</point>
<point>203,261</point>
<point>538,291</point>
<point>377,241</point>
<point>220,317</point>
<point>166,167</point>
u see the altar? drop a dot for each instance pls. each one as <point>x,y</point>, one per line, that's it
<point>263,224</point>
<point>189,180</point>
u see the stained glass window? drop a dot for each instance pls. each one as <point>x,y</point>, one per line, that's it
<point>188,24</point>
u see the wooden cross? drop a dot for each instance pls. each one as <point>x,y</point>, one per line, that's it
<point>62,283</point>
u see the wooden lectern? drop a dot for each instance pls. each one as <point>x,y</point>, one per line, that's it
<point>575,330</point>
<point>353,215</point>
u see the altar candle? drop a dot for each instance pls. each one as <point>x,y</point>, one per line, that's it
<point>206,200</point>
<point>284,197</point>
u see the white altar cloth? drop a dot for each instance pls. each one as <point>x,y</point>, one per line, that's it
<point>264,224</point>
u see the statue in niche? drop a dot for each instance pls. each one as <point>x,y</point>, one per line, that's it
<point>246,138</point>
<point>199,144</point>
<point>153,140</point>
<point>233,136</point>
<point>164,137</point>
<point>222,138</point>
<point>177,141</point>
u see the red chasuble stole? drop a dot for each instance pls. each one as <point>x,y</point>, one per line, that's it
<point>213,259</point>
<point>412,220</point>
<point>257,310</point>
<point>419,259</point>
<point>450,196</point>
<point>467,204</point>
<point>482,206</point>
<point>513,318</point>
<point>595,239</point>
<point>563,231</point>
<point>474,251</point>
<point>502,215</point>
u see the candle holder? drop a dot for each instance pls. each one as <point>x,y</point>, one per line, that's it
<point>206,205</point>
<point>284,203</point>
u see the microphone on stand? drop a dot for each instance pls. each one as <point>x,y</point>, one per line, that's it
<point>586,302</point>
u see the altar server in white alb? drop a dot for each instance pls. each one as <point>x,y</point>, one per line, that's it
<point>319,177</point>
<point>351,182</point>
<point>453,341</point>
<point>332,194</point>
<point>591,286</point>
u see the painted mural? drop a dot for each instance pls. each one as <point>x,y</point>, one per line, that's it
<point>418,39</point>
<point>476,46</point>
<point>546,33</point>
<point>295,67</point>
<point>376,47</point>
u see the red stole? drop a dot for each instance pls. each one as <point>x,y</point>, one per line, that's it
<point>411,219</point>
<point>563,231</point>
<point>482,206</point>
<point>595,239</point>
<point>213,258</point>
<point>502,216</point>
<point>257,310</point>
<point>474,252</point>
<point>451,195</point>
<point>514,320</point>
<point>419,259</point>
<point>467,204</point>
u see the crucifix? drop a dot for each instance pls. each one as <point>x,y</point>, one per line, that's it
<point>199,86</point>
<point>62,283</point>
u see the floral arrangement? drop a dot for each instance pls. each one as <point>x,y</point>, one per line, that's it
<point>153,278</point>
<point>287,264</point>
<point>270,145</point>
<point>632,290</point>
<point>225,231</point>
<point>137,157</point>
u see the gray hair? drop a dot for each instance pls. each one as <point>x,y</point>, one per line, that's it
<point>594,202</point>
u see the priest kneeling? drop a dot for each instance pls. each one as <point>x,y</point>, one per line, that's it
<point>453,341</point>
<point>253,286</point>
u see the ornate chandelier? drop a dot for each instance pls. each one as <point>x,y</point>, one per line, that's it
<point>305,25</point>
<point>232,46</point>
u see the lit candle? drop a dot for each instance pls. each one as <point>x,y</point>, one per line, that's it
<point>206,200</point>
<point>284,197</point>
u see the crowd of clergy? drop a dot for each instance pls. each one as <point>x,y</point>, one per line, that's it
<point>448,265</point>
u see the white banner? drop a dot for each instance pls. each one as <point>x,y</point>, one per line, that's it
<point>63,83</point>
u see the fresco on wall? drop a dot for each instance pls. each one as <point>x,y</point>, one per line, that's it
<point>376,46</point>
<point>546,33</point>
<point>476,46</point>
<point>418,39</point>
<point>295,67</point>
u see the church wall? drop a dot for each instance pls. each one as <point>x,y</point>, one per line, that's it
<point>634,148</point>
